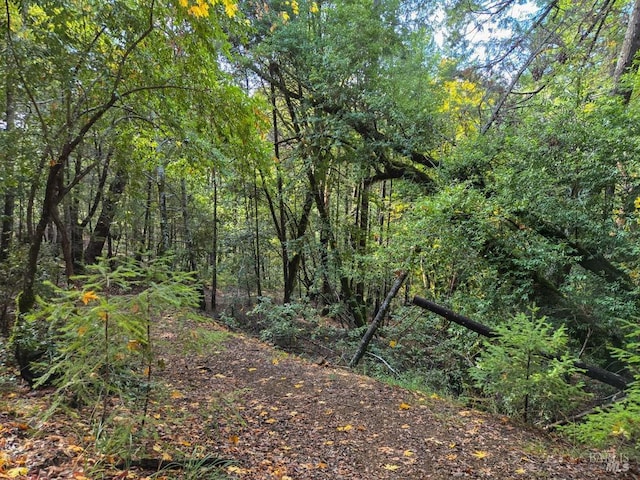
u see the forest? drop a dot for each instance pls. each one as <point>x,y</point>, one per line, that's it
<point>443,195</point>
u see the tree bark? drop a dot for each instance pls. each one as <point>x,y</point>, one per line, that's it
<point>27,298</point>
<point>6,234</point>
<point>105,219</point>
<point>630,47</point>
<point>382,311</point>
<point>214,246</point>
<point>188,236</point>
<point>591,371</point>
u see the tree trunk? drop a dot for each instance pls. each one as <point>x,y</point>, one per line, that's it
<point>214,246</point>
<point>256,236</point>
<point>590,371</point>
<point>377,321</point>
<point>326,234</point>
<point>8,166</point>
<point>27,298</point>
<point>105,219</point>
<point>165,239</point>
<point>188,237</point>
<point>630,47</point>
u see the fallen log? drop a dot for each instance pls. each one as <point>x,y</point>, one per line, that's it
<point>591,371</point>
<point>382,311</point>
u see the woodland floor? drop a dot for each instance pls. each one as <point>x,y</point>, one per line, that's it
<point>281,417</point>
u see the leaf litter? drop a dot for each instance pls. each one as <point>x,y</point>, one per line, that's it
<point>281,417</point>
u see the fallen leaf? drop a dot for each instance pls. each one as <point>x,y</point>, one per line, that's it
<point>521,471</point>
<point>452,456</point>
<point>391,467</point>
<point>480,454</point>
<point>404,406</point>
<point>345,428</point>
<point>408,453</point>
<point>17,472</point>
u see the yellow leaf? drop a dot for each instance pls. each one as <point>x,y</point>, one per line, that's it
<point>321,465</point>
<point>275,361</point>
<point>452,456</point>
<point>252,369</point>
<point>404,406</point>
<point>479,454</point>
<point>408,453</point>
<point>299,385</point>
<point>234,439</point>
<point>393,344</point>
<point>238,470</point>
<point>157,448</point>
<point>391,467</point>
<point>521,471</point>
<point>405,426</point>
<point>176,394</point>
<point>166,457</point>
<point>345,428</point>
<point>133,345</point>
<point>17,472</point>
<point>270,420</point>
<point>230,8</point>
<point>88,296</point>
<point>82,330</point>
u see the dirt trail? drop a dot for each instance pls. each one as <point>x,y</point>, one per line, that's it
<point>292,419</point>
<point>284,418</point>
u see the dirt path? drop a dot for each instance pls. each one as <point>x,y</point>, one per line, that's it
<point>289,418</point>
<point>284,418</point>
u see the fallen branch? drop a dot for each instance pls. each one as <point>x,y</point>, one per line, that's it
<point>364,343</point>
<point>591,371</point>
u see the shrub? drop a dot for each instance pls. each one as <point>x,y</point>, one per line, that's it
<point>526,372</point>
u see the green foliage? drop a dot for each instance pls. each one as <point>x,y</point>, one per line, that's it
<point>281,323</point>
<point>618,423</point>
<point>527,370</point>
<point>96,343</point>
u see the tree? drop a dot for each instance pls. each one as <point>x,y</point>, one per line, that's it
<point>360,108</point>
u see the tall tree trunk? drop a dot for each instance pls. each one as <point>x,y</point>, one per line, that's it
<point>165,239</point>
<point>630,47</point>
<point>8,166</point>
<point>256,235</point>
<point>362,228</point>
<point>27,298</point>
<point>214,246</point>
<point>327,234</point>
<point>102,228</point>
<point>293,265</point>
<point>188,237</point>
